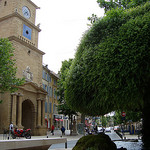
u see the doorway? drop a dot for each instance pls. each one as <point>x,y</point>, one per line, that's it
<point>28,117</point>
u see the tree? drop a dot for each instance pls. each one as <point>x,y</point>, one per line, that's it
<point>105,120</point>
<point>125,4</point>
<point>130,115</point>
<point>63,108</point>
<point>8,80</point>
<point>111,69</point>
<point>92,19</point>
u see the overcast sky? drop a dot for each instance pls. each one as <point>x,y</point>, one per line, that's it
<point>62,23</point>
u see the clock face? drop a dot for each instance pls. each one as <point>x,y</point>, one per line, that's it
<point>26,12</point>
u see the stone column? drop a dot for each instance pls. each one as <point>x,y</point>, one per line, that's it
<point>14,105</point>
<point>20,111</point>
<point>43,113</point>
<point>39,112</point>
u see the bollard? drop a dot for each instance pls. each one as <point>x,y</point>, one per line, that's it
<point>66,145</point>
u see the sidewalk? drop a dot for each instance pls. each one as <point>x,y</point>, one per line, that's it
<point>129,136</point>
<point>57,134</point>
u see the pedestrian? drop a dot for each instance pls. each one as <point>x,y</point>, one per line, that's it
<point>52,130</point>
<point>96,129</point>
<point>63,130</point>
<point>11,126</point>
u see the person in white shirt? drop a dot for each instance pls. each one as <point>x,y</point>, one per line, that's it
<point>10,129</point>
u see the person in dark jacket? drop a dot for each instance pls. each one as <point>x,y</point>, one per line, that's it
<point>63,130</point>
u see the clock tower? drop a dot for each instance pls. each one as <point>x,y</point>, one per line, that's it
<point>26,107</point>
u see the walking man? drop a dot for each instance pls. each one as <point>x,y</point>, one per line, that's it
<point>10,129</point>
<point>63,130</point>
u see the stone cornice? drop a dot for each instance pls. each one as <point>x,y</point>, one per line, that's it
<point>38,90</point>
<point>25,42</point>
<point>33,4</point>
<point>16,14</point>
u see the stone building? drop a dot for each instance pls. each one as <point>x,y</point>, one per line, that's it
<point>26,107</point>
<point>51,114</point>
<point>49,82</point>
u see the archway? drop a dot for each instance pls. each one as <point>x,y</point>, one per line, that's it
<point>28,117</point>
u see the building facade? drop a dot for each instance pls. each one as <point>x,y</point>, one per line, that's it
<point>49,83</point>
<point>26,107</point>
<point>52,117</point>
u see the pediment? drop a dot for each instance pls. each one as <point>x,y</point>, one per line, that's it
<point>33,87</point>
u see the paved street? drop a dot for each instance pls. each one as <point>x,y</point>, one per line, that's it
<point>71,140</point>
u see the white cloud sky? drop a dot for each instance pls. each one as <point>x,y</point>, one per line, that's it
<point>62,23</point>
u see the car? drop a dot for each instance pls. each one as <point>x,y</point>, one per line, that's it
<point>108,129</point>
<point>100,129</point>
<point>116,128</point>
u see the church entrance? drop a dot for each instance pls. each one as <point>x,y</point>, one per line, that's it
<point>28,117</point>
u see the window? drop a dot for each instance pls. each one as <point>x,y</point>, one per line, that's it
<point>57,97</point>
<point>50,107</point>
<point>45,107</point>
<point>43,74</point>
<point>50,79</point>
<point>44,86</point>
<point>54,93</point>
<point>47,77</point>
<point>50,91</point>
<point>53,108</point>
<point>5,3</point>
<point>47,89</point>
<point>55,82</point>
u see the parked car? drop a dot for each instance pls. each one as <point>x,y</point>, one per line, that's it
<point>108,129</point>
<point>116,128</point>
<point>100,129</point>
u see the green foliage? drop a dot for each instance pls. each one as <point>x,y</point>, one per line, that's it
<point>135,116</point>
<point>125,4</point>
<point>92,19</point>
<point>63,108</point>
<point>105,120</point>
<point>95,142</point>
<point>112,66</point>
<point>8,80</point>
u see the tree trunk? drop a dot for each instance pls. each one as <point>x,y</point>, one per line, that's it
<point>146,122</point>
<point>70,118</point>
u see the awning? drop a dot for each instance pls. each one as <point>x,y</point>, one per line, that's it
<point>59,119</point>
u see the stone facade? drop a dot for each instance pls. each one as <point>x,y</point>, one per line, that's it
<point>26,107</point>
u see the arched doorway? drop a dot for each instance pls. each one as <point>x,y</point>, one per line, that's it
<point>28,117</point>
